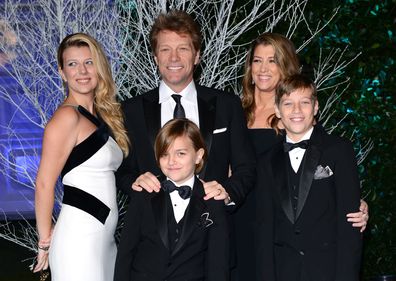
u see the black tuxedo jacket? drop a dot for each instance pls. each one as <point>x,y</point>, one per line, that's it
<point>316,244</point>
<point>228,147</point>
<point>202,250</point>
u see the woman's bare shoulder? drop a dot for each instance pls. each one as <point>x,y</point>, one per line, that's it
<point>64,119</point>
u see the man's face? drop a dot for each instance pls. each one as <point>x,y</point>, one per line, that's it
<point>297,112</point>
<point>175,56</point>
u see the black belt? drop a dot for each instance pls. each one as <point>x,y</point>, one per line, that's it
<point>86,202</point>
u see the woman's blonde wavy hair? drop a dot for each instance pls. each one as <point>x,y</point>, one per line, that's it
<point>105,102</point>
<point>285,57</point>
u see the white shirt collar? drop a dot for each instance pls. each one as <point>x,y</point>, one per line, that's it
<point>306,136</point>
<point>179,204</point>
<point>188,94</point>
<point>189,182</point>
<point>296,155</point>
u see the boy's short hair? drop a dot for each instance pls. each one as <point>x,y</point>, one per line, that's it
<point>293,83</point>
<point>177,128</point>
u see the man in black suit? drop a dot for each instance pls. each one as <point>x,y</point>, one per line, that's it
<point>176,42</point>
<point>305,188</point>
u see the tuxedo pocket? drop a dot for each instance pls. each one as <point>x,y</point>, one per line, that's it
<point>220,130</point>
<point>322,173</point>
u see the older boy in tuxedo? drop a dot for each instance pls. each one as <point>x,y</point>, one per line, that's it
<point>182,235</point>
<point>306,186</point>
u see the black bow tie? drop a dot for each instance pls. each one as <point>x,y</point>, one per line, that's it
<point>287,146</point>
<point>184,190</point>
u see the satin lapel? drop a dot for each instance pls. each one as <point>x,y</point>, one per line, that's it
<point>152,114</point>
<point>207,114</point>
<point>309,165</point>
<point>159,205</point>
<point>279,168</point>
<point>191,217</point>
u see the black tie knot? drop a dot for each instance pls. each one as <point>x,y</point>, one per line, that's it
<point>287,146</point>
<point>179,110</point>
<point>184,190</point>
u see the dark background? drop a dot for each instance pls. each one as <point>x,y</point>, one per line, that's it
<point>369,27</point>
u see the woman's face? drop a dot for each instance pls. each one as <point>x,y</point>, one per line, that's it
<point>79,70</point>
<point>265,71</point>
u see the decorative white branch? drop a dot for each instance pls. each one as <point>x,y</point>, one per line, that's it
<point>25,236</point>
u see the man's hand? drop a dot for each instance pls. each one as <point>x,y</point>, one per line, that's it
<point>147,181</point>
<point>216,191</point>
<point>360,218</point>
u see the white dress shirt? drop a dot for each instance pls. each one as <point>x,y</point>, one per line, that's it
<point>296,155</point>
<point>188,101</point>
<point>179,204</point>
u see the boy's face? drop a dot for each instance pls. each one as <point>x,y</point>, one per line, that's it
<point>178,163</point>
<point>297,113</point>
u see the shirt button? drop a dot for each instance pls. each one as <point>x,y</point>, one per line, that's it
<point>301,253</point>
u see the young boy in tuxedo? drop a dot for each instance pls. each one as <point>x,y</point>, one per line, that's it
<point>175,234</point>
<point>305,188</point>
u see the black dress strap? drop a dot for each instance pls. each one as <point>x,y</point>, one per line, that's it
<point>89,115</point>
<point>88,147</point>
<point>85,113</point>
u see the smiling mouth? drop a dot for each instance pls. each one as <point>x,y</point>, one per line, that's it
<point>297,119</point>
<point>84,81</point>
<point>174,68</point>
<point>264,78</point>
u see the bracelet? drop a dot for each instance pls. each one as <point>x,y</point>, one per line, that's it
<point>44,248</point>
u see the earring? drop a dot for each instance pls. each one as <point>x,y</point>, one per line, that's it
<point>252,81</point>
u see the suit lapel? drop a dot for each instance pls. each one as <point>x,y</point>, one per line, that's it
<point>159,204</point>
<point>193,213</point>
<point>309,164</point>
<point>152,114</point>
<point>207,114</point>
<point>281,181</point>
